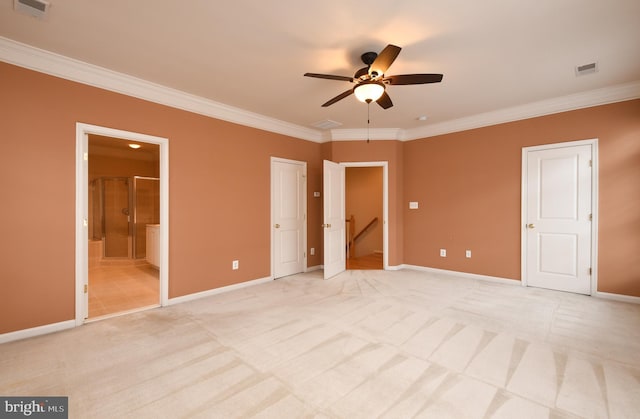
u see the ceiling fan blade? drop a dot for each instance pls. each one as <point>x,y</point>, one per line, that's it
<point>384,60</point>
<point>414,79</point>
<point>384,101</point>
<point>337,98</point>
<point>329,76</point>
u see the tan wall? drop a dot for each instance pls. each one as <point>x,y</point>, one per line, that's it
<point>468,185</point>
<point>219,193</point>
<point>363,187</point>
<point>127,162</point>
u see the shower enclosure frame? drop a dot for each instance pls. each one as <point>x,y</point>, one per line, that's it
<point>99,216</point>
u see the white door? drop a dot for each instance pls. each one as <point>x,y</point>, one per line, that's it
<point>288,180</point>
<point>334,220</point>
<point>557,216</point>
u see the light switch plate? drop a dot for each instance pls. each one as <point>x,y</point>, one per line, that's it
<point>413,205</point>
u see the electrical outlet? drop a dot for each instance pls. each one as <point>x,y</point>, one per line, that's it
<point>312,251</point>
<point>467,254</point>
<point>443,253</point>
<point>235,265</point>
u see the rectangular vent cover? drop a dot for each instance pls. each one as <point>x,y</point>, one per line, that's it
<point>35,8</point>
<point>581,70</point>
<point>326,124</point>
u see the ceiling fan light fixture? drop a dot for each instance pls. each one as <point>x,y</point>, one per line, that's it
<point>369,91</point>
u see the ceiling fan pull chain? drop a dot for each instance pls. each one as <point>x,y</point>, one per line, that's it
<point>368,120</point>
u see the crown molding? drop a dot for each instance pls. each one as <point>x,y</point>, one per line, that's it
<point>363,133</point>
<point>603,96</point>
<point>47,62</point>
<point>67,68</point>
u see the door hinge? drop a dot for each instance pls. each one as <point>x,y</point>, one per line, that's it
<point>304,254</point>
<point>590,163</point>
<point>590,217</point>
<point>86,288</point>
<point>85,156</point>
<point>590,271</point>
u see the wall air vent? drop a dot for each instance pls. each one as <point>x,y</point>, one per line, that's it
<point>36,8</point>
<point>584,69</point>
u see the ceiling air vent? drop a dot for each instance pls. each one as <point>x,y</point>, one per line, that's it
<point>582,70</point>
<point>35,8</point>
<point>326,124</point>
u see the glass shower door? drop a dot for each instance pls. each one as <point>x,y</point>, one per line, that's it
<point>116,217</point>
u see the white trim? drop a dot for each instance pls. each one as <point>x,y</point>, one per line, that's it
<point>314,268</point>
<point>617,297</point>
<point>508,281</point>
<point>67,68</point>
<point>603,96</point>
<point>37,331</point>
<point>304,204</point>
<point>373,134</point>
<point>385,203</point>
<point>216,291</point>
<point>82,180</point>
<point>594,206</point>
<point>47,62</point>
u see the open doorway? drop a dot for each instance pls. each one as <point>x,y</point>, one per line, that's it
<point>364,212</point>
<point>124,215</point>
<point>122,212</point>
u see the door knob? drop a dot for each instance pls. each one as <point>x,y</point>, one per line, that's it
<point>326,225</point>
<point>531,226</point>
<point>277,226</point>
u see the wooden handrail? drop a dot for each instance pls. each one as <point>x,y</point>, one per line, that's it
<point>372,222</point>
<point>351,238</point>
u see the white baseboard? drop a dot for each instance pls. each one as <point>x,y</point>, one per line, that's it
<point>617,297</point>
<point>598,294</point>
<point>37,331</point>
<point>215,291</point>
<point>508,281</point>
<point>314,268</point>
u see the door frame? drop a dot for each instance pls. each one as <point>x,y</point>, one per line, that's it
<point>385,204</point>
<point>82,211</point>
<point>594,207</point>
<point>304,209</point>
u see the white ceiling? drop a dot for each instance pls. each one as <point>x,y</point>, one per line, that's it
<point>496,55</point>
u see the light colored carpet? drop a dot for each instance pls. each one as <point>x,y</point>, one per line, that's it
<point>365,344</point>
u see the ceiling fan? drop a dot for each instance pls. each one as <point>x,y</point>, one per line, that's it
<point>370,81</point>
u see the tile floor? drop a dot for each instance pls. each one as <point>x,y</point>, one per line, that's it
<point>121,286</point>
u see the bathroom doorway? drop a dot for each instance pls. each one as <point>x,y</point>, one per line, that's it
<point>121,233</point>
<point>124,202</point>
